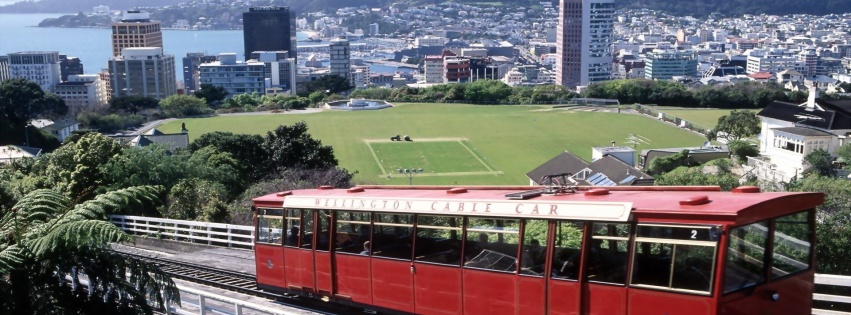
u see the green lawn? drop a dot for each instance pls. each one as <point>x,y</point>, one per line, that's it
<point>510,140</point>
<point>434,156</point>
<point>705,117</point>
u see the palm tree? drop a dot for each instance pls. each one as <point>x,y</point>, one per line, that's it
<point>47,241</point>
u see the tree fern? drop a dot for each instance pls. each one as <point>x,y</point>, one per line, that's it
<point>45,238</point>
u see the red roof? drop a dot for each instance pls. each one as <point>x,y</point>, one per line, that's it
<point>760,75</point>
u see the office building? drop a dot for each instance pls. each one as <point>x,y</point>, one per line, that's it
<point>191,66</point>
<point>340,58</point>
<point>69,66</point>
<point>143,71</point>
<point>456,69</point>
<point>279,71</point>
<point>41,67</point>
<point>136,30</point>
<point>360,76</point>
<point>665,65</point>
<point>269,29</point>
<point>4,68</point>
<point>235,77</point>
<point>373,29</point>
<point>82,93</point>
<point>584,42</point>
<point>433,69</point>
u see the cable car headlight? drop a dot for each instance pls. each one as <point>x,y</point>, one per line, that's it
<point>775,296</point>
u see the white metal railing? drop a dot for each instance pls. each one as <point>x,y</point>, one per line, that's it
<point>203,303</point>
<point>217,234</point>
<point>835,280</point>
<point>765,170</point>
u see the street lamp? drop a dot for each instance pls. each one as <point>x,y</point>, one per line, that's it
<point>410,173</point>
<point>27,133</point>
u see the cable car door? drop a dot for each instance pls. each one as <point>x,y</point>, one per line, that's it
<point>564,288</point>
<point>392,270</point>
<point>324,268</point>
<point>606,263</point>
<point>298,251</point>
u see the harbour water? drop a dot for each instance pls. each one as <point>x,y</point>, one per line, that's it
<point>18,32</point>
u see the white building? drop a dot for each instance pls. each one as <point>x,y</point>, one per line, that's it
<point>234,77</point>
<point>513,78</point>
<point>791,131</point>
<point>584,42</point>
<point>772,63</point>
<point>340,58</point>
<point>143,71</point>
<point>279,71</point>
<point>82,93</point>
<point>433,69</point>
<point>373,29</point>
<point>4,68</point>
<point>61,129</point>
<point>41,67</point>
<point>360,76</point>
<point>429,40</point>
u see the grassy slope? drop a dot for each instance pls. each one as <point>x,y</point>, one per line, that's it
<point>512,139</point>
<point>705,117</point>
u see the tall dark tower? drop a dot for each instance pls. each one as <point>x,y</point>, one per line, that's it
<point>269,29</point>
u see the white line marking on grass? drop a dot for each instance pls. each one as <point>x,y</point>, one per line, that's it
<point>475,156</point>
<point>377,161</point>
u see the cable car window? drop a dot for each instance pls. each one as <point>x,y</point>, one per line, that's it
<point>293,220</point>
<point>607,256</point>
<point>270,224</point>
<point>792,248</point>
<point>323,230</point>
<point>492,244</point>
<point>746,256</point>
<point>438,240</point>
<point>391,236</point>
<point>674,257</point>
<point>567,251</point>
<point>353,230</point>
<point>534,247</point>
<point>307,229</point>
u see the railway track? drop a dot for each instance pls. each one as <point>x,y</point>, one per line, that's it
<point>236,282</point>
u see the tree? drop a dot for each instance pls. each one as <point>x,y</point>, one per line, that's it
<point>133,103</point>
<point>292,146</point>
<point>669,163</point>
<point>22,101</point>
<point>75,169</point>
<point>845,153</point>
<point>487,91</point>
<point>46,238</point>
<point>246,150</point>
<point>821,162</point>
<point>737,125</point>
<point>330,84</point>
<point>742,150</point>
<point>183,105</point>
<point>212,94</point>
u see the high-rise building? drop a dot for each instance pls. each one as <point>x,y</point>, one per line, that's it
<point>665,65</point>
<point>41,67</point>
<point>433,65</point>
<point>360,76</point>
<point>279,71</point>
<point>191,66</point>
<point>135,30</point>
<point>456,69</point>
<point>269,29</point>
<point>373,29</point>
<point>341,61</point>
<point>143,71</point>
<point>69,66</point>
<point>584,42</point>
<point>4,68</point>
<point>235,77</point>
<point>82,92</point>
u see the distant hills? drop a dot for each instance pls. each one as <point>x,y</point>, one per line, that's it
<point>696,8</point>
<point>74,6</point>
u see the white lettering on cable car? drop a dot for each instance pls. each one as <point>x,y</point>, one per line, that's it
<point>572,210</point>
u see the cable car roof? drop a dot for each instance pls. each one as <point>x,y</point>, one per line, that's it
<point>585,203</point>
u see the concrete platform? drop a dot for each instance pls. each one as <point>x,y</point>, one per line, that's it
<point>237,260</point>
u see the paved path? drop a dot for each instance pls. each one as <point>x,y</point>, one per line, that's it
<point>156,123</point>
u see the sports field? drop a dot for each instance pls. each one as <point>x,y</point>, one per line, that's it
<point>455,144</point>
<point>706,117</point>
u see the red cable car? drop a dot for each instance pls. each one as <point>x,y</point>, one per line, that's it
<point>533,250</point>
